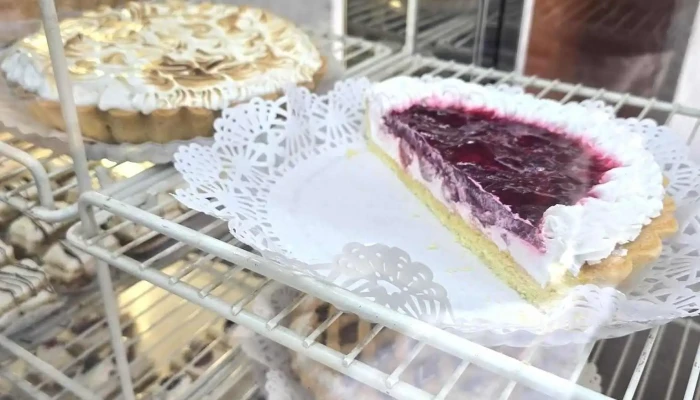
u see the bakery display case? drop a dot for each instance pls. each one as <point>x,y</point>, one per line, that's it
<point>189,202</point>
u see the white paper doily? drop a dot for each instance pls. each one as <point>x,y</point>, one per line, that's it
<point>293,179</point>
<point>18,120</point>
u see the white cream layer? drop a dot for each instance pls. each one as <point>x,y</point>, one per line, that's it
<point>589,231</point>
<point>217,55</point>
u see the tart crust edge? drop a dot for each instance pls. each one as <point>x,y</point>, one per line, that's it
<point>135,127</point>
<point>611,271</point>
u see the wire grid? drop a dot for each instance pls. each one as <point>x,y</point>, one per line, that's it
<point>386,20</point>
<point>19,192</point>
<point>684,120</point>
<point>661,363</point>
<point>353,53</point>
<point>458,42</point>
<point>386,380</point>
<point>162,325</point>
<point>620,385</point>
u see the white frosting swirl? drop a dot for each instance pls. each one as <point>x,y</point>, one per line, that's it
<point>164,56</point>
<point>587,232</point>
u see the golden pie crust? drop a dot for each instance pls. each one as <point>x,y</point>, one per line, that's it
<point>158,72</point>
<point>125,126</point>
<point>641,251</point>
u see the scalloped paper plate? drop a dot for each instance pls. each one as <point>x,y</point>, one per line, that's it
<point>293,179</point>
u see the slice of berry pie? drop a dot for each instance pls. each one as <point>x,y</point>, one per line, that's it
<point>548,195</point>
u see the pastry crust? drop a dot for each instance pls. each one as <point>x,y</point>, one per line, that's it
<point>159,72</point>
<point>643,250</point>
<point>609,272</point>
<point>122,126</point>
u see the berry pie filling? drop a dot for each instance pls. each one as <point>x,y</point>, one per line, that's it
<point>510,172</point>
<point>553,186</point>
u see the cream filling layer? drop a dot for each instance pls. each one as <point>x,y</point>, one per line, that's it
<point>628,197</point>
<point>535,263</point>
<point>158,56</point>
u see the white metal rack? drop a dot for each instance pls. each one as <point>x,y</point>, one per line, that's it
<point>388,21</point>
<point>160,326</point>
<point>463,40</point>
<point>206,296</point>
<point>35,178</point>
<point>221,292</point>
<point>412,65</point>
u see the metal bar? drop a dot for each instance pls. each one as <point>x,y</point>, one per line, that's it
<point>204,380</point>
<point>671,114</point>
<point>375,17</point>
<point>409,46</point>
<point>140,357</point>
<point>506,78</point>
<point>584,91</point>
<point>112,315</point>
<point>187,269</point>
<point>175,352</point>
<point>338,17</point>
<point>527,357</point>
<point>395,376</point>
<point>282,335</point>
<point>621,102</point>
<point>238,307</point>
<point>21,384</point>
<point>524,36</point>
<point>693,378</point>
<point>311,338</point>
<point>41,179</point>
<point>96,326</point>
<point>206,290</point>
<point>647,106</point>
<point>570,94</point>
<point>694,132</point>
<point>271,324</point>
<point>482,75</point>
<point>491,360</point>
<point>197,312</point>
<point>442,394</point>
<point>368,6</point>
<point>77,150</point>
<point>620,364</point>
<point>47,369</point>
<point>454,26</point>
<point>122,189</point>
<point>226,380</point>
<point>361,345</point>
<point>677,363</point>
<point>641,364</point>
<point>480,31</point>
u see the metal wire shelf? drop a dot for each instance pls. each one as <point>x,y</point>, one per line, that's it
<point>36,179</point>
<point>458,42</point>
<point>414,65</point>
<point>386,21</point>
<point>159,326</point>
<point>39,192</point>
<point>273,327</point>
<point>208,296</point>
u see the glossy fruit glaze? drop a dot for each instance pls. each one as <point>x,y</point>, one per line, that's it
<point>499,166</point>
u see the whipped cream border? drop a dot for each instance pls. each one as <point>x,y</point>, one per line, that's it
<point>124,87</point>
<point>587,232</point>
